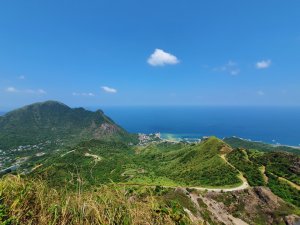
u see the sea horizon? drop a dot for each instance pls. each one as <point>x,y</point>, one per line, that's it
<point>273,125</point>
<point>276,125</point>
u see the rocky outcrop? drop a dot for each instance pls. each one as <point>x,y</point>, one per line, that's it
<point>264,195</point>
<point>292,220</point>
<point>254,205</point>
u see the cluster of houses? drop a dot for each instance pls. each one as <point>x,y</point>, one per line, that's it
<point>149,138</point>
<point>9,158</point>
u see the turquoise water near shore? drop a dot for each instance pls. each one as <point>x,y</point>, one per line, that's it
<point>276,125</point>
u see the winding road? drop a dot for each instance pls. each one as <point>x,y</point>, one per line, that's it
<point>243,186</point>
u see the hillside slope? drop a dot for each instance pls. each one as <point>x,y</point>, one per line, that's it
<point>52,121</point>
<point>280,171</point>
<point>198,164</point>
<point>236,142</point>
<point>166,164</point>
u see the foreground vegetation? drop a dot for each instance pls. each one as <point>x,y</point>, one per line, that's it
<point>33,202</point>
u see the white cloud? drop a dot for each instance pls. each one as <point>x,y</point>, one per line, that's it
<point>109,89</point>
<point>260,92</point>
<point>263,64</point>
<point>37,92</point>
<point>27,91</point>
<point>231,67</point>
<point>234,72</point>
<point>89,94</point>
<point>160,58</point>
<point>11,90</point>
<point>41,91</point>
<point>231,63</point>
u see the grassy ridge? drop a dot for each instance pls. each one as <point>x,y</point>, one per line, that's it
<point>277,164</point>
<point>282,164</point>
<point>202,165</point>
<point>164,164</point>
<point>251,171</point>
<point>260,146</point>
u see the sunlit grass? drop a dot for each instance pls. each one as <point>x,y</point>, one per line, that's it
<point>33,202</point>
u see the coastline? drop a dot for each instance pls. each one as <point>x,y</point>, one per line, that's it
<point>176,138</point>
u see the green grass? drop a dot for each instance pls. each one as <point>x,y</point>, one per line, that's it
<point>195,165</point>
<point>154,180</point>
<point>239,159</point>
<point>27,201</point>
<point>260,146</point>
<point>281,164</point>
<point>164,164</point>
<point>284,190</point>
<point>277,164</point>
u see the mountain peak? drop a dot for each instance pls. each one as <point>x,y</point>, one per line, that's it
<point>49,103</point>
<point>52,120</point>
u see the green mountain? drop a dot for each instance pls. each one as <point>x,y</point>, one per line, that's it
<point>236,142</point>
<point>55,121</point>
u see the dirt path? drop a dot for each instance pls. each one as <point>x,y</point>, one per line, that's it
<point>67,153</point>
<point>263,171</point>
<point>290,183</point>
<point>244,185</point>
<point>287,181</point>
<point>96,158</point>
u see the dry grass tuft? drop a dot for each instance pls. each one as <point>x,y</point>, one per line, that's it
<point>27,201</point>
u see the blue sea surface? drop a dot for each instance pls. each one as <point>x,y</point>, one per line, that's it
<point>277,125</point>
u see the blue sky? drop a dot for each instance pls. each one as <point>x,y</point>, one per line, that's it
<point>136,52</point>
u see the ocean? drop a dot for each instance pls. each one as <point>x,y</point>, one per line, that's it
<point>275,125</point>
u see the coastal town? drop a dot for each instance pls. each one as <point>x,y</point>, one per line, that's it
<point>11,159</point>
